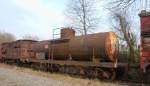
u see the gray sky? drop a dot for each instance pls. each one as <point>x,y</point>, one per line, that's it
<point>39,17</point>
<point>35,17</point>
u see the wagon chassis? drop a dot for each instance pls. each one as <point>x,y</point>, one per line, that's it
<point>78,63</point>
<point>104,70</point>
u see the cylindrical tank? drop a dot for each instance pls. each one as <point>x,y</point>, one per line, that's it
<point>103,46</point>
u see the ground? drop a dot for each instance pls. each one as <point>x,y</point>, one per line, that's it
<point>16,76</point>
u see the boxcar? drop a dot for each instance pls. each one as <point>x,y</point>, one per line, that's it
<point>145,41</point>
<point>20,49</point>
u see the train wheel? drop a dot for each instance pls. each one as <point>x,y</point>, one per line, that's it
<point>107,74</point>
<point>113,74</point>
<point>90,72</point>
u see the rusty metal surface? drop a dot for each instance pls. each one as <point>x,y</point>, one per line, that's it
<point>67,33</point>
<point>41,46</point>
<point>100,45</point>
<point>18,49</point>
<point>80,63</point>
<point>5,49</point>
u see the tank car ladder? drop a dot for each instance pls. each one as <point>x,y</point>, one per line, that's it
<point>51,49</point>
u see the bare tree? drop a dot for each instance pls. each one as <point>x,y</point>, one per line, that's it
<point>122,27</point>
<point>30,37</point>
<point>125,4</point>
<point>82,13</point>
<point>122,3</point>
<point>6,37</point>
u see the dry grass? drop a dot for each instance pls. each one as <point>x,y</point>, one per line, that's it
<point>63,77</point>
<point>7,66</point>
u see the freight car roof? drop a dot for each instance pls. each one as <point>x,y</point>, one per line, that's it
<point>27,40</point>
<point>144,13</point>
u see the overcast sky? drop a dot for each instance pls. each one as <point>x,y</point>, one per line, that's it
<point>39,17</point>
<point>35,17</point>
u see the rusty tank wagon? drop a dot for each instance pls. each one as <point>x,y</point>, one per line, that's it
<point>102,46</point>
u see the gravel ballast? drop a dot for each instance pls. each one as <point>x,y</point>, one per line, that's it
<point>16,76</point>
<point>12,78</point>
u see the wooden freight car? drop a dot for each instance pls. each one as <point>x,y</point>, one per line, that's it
<point>20,49</point>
